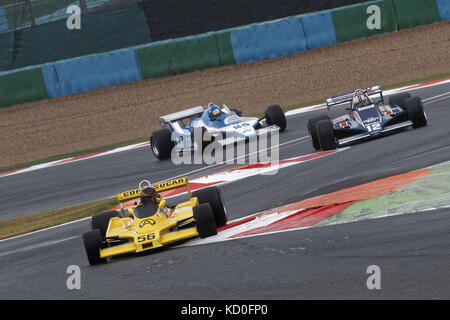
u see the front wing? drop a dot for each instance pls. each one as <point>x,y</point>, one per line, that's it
<point>235,139</point>
<point>365,135</point>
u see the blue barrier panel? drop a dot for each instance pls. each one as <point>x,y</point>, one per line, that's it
<point>93,72</point>
<point>268,40</point>
<point>319,29</point>
<point>51,81</point>
<point>444,9</point>
<point>4,26</point>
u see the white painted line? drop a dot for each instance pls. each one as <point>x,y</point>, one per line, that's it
<point>436,97</point>
<point>236,158</point>
<point>385,93</point>
<point>288,114</point>
<point>227,237</point>
<point>226,177</point>
<point>42,230</point>
<point>37,246</point>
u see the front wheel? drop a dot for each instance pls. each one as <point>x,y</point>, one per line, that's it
<point>205,222</point>
<point>100,221</point>
<point>213,196</point>
<point>93,243</point>
<point>161,144</point>
<point>399,99</point>
<point>275,116</point>
<point>325,134</point>
<point>415,112</point>
<point>312,130</point>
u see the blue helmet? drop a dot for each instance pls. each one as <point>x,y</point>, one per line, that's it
<point>214,111</point>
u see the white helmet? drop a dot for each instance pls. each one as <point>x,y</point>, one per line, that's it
<point>360,99</point>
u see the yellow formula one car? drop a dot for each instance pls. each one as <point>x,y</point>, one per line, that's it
<point>147,226</point>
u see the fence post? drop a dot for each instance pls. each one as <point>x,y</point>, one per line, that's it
<point>83,7</point>
<point>30,13</point>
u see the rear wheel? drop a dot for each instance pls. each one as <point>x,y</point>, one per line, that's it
<point>399,99</point>
<point>325,134</point>
<point>312,130</point>
<point>205,221</point>
<point>275,116</point>
<point>200,139</point>
<point>214,197</point>
<point>415,112</point>
<point>238,112</point>
<point>161,143</point>
<point>100,221</point>
<point>93,243</point>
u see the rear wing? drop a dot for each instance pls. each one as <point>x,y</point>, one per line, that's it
<point>159,187</point>
<point>348,97</point>
<point>192,112</point>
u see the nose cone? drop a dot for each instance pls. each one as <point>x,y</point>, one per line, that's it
<point>246,131</point>
<point>146,225</point>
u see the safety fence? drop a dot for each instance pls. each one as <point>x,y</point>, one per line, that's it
<point>236,45</point>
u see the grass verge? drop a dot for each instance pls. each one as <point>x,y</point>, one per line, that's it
<point>385,88</point>
<point>22,225</point>
<point>17,226</point>
<point>140,140</point>
<point>75,154</point>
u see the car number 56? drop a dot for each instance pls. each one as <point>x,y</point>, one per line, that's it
<point>146,237</point>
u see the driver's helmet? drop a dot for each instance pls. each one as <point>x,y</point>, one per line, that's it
<point>360,99</point>
<point>214,111</point>
<point>149,195</point>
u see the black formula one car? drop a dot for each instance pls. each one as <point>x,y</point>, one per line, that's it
<point>366,118</point>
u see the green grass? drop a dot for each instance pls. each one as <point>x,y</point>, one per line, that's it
<point>22,225</point>
<point>74,154</point>
<point>17,226</point>
<point>140,140</point>
<point>385,88</point>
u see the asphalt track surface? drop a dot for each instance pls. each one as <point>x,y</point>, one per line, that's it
<point>412,250</point>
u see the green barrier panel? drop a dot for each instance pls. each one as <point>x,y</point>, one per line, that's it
<point>22,86</point>
<point>413,13</point>
<point>178,56</point>
<point>351,22</point>
<point>225,48</point>
<point>6,50</point>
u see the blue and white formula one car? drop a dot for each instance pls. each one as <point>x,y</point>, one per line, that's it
<point>212,123</point>
<point>366,118</point>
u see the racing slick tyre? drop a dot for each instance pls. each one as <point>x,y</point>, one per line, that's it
<point>399,100</point>
<point>415,112</point>
<point>92,243</point>
<point>312,130</point>
<point>162,144</point>
<point>325,134</point>
<point>201,139</point>
<point>238,112</point>
<point>100,221</point>
<point>206,223</point>
<point>275,116</point>
<point>214,197</point>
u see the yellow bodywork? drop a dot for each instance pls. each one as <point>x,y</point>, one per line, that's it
<point>162,228</point>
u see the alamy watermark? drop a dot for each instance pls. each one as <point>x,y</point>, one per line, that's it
<point>73,282</point>
<point>374,280</point>
<point>263,148</point>
<point>374,20</point>
<point>74,20</point>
